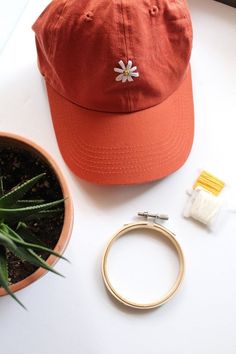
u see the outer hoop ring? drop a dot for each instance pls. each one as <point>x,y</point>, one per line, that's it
<point>163,232</point>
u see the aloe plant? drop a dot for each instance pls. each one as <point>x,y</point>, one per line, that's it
<point>15,234</point>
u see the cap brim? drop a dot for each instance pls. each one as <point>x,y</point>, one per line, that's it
<point>118,148</point>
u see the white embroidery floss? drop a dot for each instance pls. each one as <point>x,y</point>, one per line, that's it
<point>203,206</point>
<point>205,203</point>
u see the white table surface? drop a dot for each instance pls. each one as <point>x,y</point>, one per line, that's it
<point>75,315</point>
<point>11,11</point>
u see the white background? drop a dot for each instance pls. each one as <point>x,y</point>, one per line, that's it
<point>75,315</point>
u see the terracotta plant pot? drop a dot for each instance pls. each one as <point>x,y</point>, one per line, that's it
<point>18,141</point>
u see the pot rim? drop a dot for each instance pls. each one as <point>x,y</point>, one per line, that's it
<point>68,211</point>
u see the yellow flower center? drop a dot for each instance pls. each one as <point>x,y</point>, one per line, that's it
<point>126,72</point>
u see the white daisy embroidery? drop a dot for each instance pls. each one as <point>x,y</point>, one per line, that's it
<point>126,72</point>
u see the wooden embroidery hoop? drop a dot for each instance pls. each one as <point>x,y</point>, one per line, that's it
<point>162,232</point>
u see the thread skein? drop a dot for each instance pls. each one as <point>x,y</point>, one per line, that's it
<point>204,206</point>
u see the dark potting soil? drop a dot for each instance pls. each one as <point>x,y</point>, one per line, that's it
<point>16,166</point>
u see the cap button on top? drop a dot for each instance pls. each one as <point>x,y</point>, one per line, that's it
<point>154,10</point>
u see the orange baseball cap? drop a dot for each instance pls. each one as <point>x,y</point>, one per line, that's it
<point>119,86</point>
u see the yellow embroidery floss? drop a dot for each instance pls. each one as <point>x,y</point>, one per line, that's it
<point>209,182</point>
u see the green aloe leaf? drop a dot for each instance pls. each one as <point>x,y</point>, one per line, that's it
<point>33,258</point>
<point>24,232</point>
<point>7,242</point>
<point>17,193</point>
<point>24,203</point>
<point>1,187</point>
<point>24,254</point>
<point>44,214</point>
<point>3,263</point>
<point>18,240</point>
<point>18,214</point>
<point>4,275</point>
<point>15,210</point>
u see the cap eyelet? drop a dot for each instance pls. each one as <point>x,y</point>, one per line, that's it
<point>154,10</point>
<point>88,16</point>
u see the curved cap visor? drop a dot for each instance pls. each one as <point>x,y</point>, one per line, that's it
<point>125,148</point>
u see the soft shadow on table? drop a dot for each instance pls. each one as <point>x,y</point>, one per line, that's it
<point>138,312</point>
<point>126,309</point>
<point>106,196</point>
<point>215,9</point>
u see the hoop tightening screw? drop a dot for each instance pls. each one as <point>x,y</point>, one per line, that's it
<point>146,214</point>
